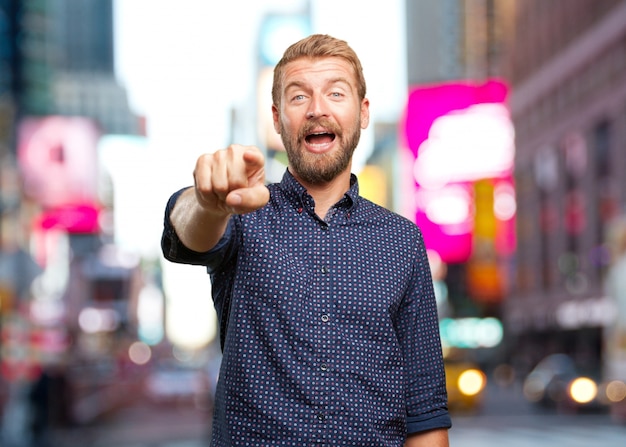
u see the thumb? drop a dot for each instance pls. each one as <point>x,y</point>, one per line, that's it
<point>246,200</point>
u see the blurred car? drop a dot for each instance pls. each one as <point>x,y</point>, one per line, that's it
<point>176,383</point>
<point>557,382</point>
<point>466,384</point>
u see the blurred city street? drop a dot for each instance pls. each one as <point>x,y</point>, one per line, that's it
<point>505,419</point>
<point>141,424</point>
<point>498,127</point>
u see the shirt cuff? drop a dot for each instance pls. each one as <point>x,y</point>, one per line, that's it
<point>417,424</point>
<point>174,250</point>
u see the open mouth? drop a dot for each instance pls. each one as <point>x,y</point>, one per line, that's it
<point>320,138</point>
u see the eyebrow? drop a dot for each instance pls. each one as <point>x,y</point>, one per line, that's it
<point>332,81</point>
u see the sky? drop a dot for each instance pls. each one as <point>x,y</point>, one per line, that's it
<point>186,64</point>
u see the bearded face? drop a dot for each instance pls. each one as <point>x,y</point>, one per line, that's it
<point>319,168</point>
<point>320,117</point>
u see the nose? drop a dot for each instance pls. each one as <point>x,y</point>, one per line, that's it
<point>317,107</point>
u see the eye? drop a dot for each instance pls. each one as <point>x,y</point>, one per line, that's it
<point>298,97</point>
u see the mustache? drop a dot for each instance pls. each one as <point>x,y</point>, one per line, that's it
<point>313,124</point>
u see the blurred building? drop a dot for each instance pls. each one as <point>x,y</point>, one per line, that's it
<point>58,97</point>
<point>563,62</point>
<point>8,86</point>
<point>66,63</point>
<point>455,39</point>
<point>455,84</point>
<point>566,62</point>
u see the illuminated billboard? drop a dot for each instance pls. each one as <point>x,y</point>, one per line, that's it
<point>58,160</point>
<point>455,135</point>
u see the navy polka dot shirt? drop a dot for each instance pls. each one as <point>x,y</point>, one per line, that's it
<point>329,328</point>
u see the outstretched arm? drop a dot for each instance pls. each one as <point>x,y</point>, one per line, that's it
<point>226,182</point>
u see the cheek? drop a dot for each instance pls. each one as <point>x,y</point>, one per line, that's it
<point>287,125</point>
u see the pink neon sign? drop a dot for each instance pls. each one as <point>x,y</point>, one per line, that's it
<point>456,134</point>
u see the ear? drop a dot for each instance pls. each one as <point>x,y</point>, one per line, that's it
<point>365,113</point>
<point>276,118</point>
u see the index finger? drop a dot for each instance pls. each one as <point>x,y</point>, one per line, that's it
<point>253,158</point>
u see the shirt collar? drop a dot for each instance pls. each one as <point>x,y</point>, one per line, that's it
<point>297,193</point>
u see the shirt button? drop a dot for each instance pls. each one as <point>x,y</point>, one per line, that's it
<point>324,269</point>
<point>325,318</point>
<point>324,367</point>
<point>321,417</point>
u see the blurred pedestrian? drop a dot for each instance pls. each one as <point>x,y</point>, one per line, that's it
<point>328,317</point>
<point>50,400</point>
<point>40,401</point>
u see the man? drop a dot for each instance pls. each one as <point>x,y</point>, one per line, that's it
<point>328,318</point>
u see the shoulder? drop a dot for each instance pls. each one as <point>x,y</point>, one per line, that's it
<point>370,211</point>
<point>396,233</point>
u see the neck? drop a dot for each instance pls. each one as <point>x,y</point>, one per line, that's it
<point>326,195</point>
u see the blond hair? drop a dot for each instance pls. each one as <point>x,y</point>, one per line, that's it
<point>318,46</point>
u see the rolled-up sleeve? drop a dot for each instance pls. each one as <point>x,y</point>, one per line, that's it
<point>426,395</point>
<point>175,251</point>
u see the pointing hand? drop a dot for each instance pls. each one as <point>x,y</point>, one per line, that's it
<point>231,181</point>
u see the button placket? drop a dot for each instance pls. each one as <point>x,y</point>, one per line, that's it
<point>326,295</point>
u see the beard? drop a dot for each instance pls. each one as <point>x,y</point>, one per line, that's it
<point>320,168</point>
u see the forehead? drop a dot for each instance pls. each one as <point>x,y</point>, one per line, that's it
<point>318,70</point>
